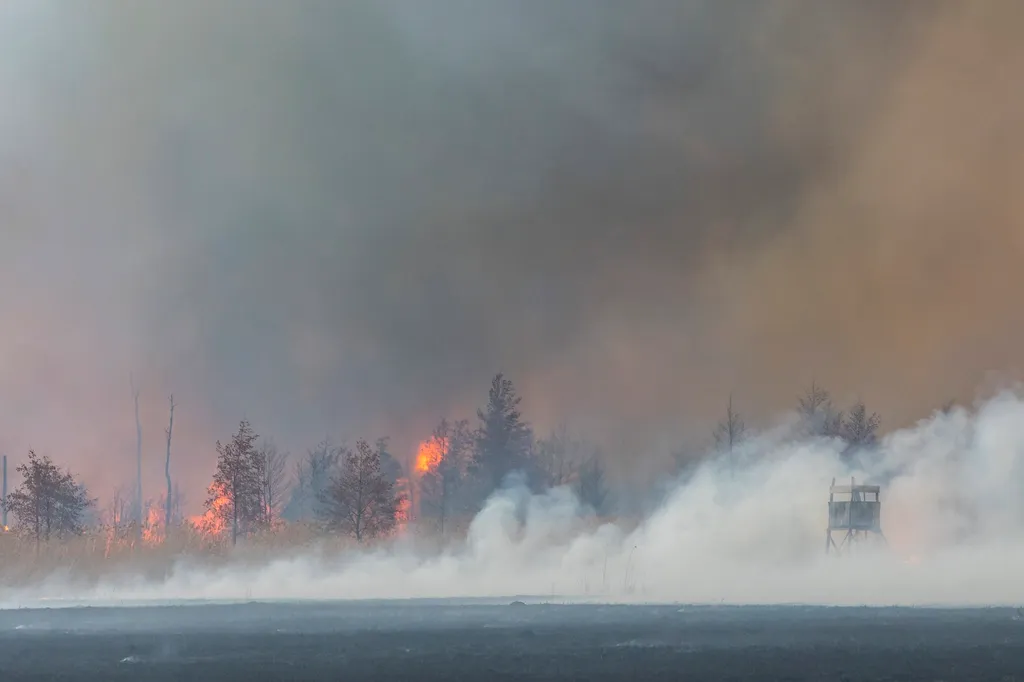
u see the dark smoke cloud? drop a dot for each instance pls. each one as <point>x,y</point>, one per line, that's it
<point>343,217</point>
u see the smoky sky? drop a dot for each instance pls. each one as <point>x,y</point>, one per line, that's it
<point>344,217</point>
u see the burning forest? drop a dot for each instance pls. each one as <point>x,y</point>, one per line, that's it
<point>358,497</point>
<point>363,493</point>
<point>326,228</point>
<point>489,507</point>
<point>258,494</point>
<point>365,519</point>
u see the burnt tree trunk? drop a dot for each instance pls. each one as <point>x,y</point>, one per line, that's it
<point>167,474</point>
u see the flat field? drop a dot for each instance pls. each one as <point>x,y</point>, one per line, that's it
<point>474,640</point>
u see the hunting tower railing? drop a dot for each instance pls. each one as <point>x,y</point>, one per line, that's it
<point>854,510</point>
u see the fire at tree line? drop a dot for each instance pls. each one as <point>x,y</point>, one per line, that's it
<point>362,492</point>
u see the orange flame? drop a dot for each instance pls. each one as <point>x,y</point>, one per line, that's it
<point>153,527</point>
<point>212,521</point>
<point>430,454</point>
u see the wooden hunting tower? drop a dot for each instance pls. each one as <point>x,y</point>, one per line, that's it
<point>855,510</point>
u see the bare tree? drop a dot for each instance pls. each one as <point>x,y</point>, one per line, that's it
<point>731,431</point>
<point>115,517</point>
<point>154,525</point>
<point>565,460</point>
<point>49,502</point>
<point>115,514</point>
<point>238,478</point>
<point>169,497</point>
<point>441,485</point>
<point>559,457</point>
<point>137,508</point>
<point>273,480</point>
<point>176,507</point>
<point>817,414</point>
<point>360,501</point>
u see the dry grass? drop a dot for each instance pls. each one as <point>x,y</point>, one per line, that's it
<point>100,553</point>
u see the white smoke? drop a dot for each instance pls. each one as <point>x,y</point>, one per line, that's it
<point>747,530</point>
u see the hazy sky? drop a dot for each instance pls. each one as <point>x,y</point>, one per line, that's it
<point>344,217</point>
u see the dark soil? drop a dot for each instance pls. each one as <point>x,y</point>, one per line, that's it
<point>423,641</point>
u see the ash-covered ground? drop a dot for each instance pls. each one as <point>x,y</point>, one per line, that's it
<point>447,640</point>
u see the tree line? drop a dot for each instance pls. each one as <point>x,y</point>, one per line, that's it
<point>856,428</point>
<point>355,491</point>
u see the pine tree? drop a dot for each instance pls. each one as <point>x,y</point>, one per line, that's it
<point>238,478</point>
<point>503,440</point>
<point>860,429</point>
<point>390,468</point>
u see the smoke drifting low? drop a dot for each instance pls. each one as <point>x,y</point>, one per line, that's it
<point>750,530</point>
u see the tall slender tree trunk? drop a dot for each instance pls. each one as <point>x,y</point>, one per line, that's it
<point>138,462</point>
<point>167,474</point>
<point>3,495</point>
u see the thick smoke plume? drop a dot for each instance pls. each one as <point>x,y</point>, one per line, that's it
<point>344,217</point>
<point>745,529</point>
